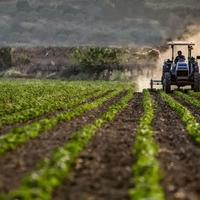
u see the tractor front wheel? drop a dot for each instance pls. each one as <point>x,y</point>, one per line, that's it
<point>167,82</point>
<point>196,82</point>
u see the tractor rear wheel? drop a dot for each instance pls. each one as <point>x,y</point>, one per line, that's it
<point>167,82</point>
<point>196,82</point>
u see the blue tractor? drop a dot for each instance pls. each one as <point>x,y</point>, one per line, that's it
<point>180,72</point>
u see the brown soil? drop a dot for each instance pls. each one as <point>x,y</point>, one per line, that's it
<point>178,155</point>
<point>15,165</point>
<point>103,170</point>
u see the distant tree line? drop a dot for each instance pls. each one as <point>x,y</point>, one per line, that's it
<point>97,58</point>
<point>5,58</point>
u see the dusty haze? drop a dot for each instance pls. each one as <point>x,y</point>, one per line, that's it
<point>192,34</point>
<point>127,23</point>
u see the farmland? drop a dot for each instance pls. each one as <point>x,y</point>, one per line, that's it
<point>84,140</point>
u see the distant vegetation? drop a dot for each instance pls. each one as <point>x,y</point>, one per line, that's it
<point>23,59</point>
<point>77,63</point>
<point>97,58</point>
<point>5,58</point>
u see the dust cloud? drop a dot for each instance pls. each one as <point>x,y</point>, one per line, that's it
<point>192,34</point>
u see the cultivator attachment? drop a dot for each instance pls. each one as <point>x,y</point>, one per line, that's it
<point>155,82</point>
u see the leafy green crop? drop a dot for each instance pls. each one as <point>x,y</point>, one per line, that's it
<point>146,170</point>
<point>40,184</point>
<point>192,127</point>
<point>48,106</point>
<point>15,97</point>
<point>23,134</point>
<point>194,94</point>
<point>20,102</point>
<point>188,99</point>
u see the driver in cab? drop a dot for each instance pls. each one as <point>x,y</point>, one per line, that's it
<point>180,57</point>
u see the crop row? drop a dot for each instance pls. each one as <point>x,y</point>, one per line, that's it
<point>146,169</point>
<point>13,91</point>
<point>63,99</point>
<point>189,99</point>
<point>36,102</point>
<point>23,134</point>
<point>51,172</point>
<point>46,107</point>
<point>192,127</point>
<point>17,97</point>
<point>194,94</point>
<point>30,96</point>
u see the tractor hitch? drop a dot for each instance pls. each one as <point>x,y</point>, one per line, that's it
<point>155,82</point>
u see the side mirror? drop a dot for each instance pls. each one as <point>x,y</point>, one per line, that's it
<point>198,57</point>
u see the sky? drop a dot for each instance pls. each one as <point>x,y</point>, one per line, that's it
<point>130,23</point>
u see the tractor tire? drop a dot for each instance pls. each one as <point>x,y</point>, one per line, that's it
<point>196,82</point>
<point>167,82</point>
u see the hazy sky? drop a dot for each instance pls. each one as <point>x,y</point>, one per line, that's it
<point>94,22</point>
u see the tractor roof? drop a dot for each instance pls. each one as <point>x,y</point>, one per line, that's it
<point>180,43</point>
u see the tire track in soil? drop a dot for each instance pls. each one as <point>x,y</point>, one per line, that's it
<point>194,110</point>
<point>5,129</point>
<point>178,155</point>
<point>103,170</point>
<point>14,165</point>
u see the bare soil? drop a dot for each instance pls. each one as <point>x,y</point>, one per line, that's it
<point>178,155</point>
<point>103,170</point>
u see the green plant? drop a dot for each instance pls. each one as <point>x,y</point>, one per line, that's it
<point>18,97</point>
<point>192,127</point>
<point>188,99</point>
<point>21,135</point>
<point>194,94</point>
<point>51,172</point>
<point>146,169</point>
<point>52,104</point>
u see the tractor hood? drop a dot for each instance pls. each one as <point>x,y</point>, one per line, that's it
<point>182,71</point>
<point>182,66</point>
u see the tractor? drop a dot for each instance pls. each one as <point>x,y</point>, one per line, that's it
<point>179,72</point>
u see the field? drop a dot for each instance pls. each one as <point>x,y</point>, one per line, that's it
<point>98,140</point>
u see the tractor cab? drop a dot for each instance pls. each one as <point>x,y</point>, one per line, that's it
<point>179,71</point>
